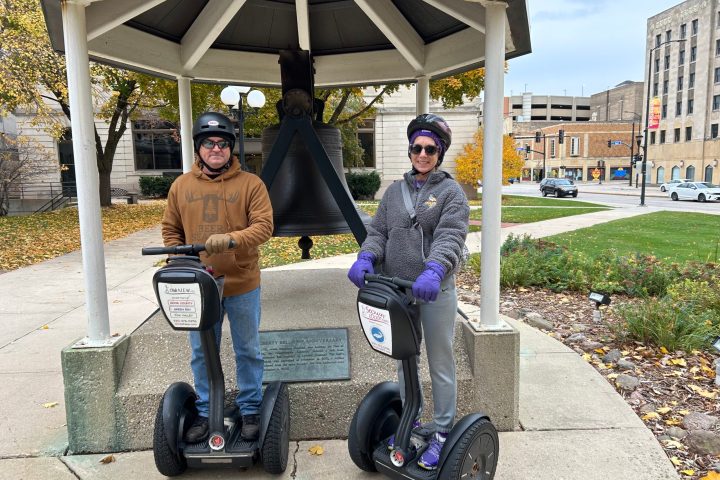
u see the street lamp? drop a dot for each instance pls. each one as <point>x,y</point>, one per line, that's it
<point>643,170</point>
<point>232,96</point>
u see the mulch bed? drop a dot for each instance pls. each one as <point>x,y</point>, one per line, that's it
<point>672,385</point>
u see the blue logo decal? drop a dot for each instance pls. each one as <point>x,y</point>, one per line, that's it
<point>377,334</point>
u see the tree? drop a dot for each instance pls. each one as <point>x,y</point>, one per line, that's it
<point>33,76</point>
<point>16,161</point>
<point>469,164</point>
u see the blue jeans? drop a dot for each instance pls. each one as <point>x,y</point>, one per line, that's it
<point>243,313</point>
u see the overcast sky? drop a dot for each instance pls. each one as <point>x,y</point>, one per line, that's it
<point>581,47</point>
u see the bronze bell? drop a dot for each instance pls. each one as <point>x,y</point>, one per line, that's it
<point>302,203</point>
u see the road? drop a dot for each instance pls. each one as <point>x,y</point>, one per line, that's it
<point>619,196</point>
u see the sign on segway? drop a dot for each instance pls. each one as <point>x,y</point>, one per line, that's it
<point>376,326</point>
<point>181,303</point>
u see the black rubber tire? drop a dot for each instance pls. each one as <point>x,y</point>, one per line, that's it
<point>544,192</point>
<point>662,189</point>
<point>385,425</point>
<point>558,194</point>
<point>475,455</point>
<point>575,195</point>
<point>702,198</point>
<point>277,437</point>
<point>674,196</point>
<point>167,462</point>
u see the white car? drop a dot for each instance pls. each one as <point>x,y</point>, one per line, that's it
<point>698,191</point>
<point>673,183</point>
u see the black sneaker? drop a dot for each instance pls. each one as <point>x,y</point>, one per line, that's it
<point>198,431</point>
<point>250,427</point>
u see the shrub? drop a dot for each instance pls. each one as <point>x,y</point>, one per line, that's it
<point>363,186</point>
<point>666,323</point>
<point>155,186</point>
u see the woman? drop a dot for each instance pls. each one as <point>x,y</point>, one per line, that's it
<point>429,251</point>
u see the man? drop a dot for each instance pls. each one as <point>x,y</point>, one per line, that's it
<point>229,210</point>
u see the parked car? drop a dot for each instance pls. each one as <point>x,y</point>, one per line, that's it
<point>673,183</point>
<point>698,191</point>
<point>560,187</point>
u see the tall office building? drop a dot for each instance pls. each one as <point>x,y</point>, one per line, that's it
<point>683,53</point>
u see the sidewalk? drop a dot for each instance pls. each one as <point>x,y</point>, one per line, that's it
<point>574,425</point>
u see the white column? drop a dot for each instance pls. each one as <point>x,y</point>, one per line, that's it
<point>186,123</point>
<point>86,172</point>
<point>422,95</point>
<point>492,164</point>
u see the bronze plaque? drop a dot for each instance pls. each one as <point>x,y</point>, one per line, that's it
<point>305,355</point>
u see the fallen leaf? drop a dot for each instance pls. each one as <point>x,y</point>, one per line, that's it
<point>711,476</point>
<point>45,327</point>
<point>679,361</point>
<point>107,459</point>
<point>599,350</point>
<point>663,410</point>
<point>676,461</point>
<point>672,443</point>
<point>651,416</point>
<point>689,472</point>
<point>664,350</point>
<point>316,450</point>
<point>586,357</point>
<point>50,404</point>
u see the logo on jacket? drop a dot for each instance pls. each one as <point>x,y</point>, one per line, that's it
<point>431,201</point>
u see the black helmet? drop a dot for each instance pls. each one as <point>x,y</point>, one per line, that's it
<point>437,125</point>
<point>213,124</point>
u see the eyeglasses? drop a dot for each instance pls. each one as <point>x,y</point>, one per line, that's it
<point>429,149</point>
<point>210,144</point>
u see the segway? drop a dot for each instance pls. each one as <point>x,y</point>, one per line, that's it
<point>389,319</point>
<point>190,298</point>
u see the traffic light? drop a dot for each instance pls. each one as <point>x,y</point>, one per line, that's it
<point>527,148</point>
<point>538,136</point>
<point>609,143</point>
<point>561,136</point>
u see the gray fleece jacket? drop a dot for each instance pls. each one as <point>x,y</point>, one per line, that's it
<point>442,214</point>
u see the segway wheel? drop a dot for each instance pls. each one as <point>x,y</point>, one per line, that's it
<point>167,462</point>
<point>475,454</point>
<point>387,421</point>
<point>277,438</point>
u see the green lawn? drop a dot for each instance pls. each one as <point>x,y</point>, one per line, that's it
<point>671,236</point>
<point>521,201</point>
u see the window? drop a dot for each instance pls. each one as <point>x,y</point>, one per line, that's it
<point>657,65</point>
<point>717,22</point>
<point>681,57</point>
<point>655,89</point>
<point>678,108</point>
<point>717,47</point>
<point>668,35</point>
<point>662,136</point>
<point>652,138</point>
<point>694,27</point>
<point>663,112</point>
<point>688,134</point>
<point>657,40</point>
<point>716,103</point>
<point>667,62</point>
<point>366,139</point>
<point>660,175</point>
<point>666,86</point>
<point>683,31</point>
<point>156,145</point>
<point>690,106</point>
<point>714,130</point>
<point>574,146</point>
<point>691,80</point>
<point>552,147</point>
<point>680,83</point>
<point>676,136</point>
<point>693,54</point>
<point>717,75</point>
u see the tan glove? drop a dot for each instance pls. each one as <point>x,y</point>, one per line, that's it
<point>218,243</point>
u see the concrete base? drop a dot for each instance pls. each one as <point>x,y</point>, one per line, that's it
<point>495,363</point>
<point>113,394</point>
<point>91,378</point>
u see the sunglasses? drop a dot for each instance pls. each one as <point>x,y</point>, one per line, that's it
<point>429,149</point>
<point>210,144</point>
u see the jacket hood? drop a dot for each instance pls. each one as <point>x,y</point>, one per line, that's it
<point>229,173</point>
<point>434,177</point>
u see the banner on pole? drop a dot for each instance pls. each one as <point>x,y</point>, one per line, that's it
<point>654,121</point>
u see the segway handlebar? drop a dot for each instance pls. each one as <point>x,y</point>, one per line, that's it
<point>192,249</point>
<point>397,281</point>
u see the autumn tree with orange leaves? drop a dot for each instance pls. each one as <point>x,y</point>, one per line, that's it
<point>469,164</point>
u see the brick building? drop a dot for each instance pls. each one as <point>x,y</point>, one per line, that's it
<point>584,154</point>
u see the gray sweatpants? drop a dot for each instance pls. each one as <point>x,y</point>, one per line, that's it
<point>438,324</point>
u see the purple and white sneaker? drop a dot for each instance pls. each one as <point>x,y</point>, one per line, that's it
<point>430,457</point>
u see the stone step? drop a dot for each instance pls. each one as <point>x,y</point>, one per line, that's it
<point>298,299</point>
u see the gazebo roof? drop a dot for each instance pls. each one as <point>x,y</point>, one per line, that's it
<point>353,42</point>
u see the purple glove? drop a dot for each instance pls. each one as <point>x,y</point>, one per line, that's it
<point>363,265</point>
<point>427,284</point>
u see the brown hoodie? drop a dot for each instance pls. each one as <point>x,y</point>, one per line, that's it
<point>235,202</point>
